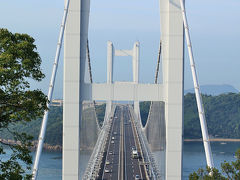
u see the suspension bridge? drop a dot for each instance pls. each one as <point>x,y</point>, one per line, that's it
<point>122,148</point>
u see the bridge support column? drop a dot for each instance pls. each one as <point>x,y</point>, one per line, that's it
<point>135,63</point>
<point>172,60</point>
<point>75,42</point>
<point>110,61</point>
<point>135,59</point>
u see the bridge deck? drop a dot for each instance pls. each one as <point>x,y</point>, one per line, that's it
<point>119,163</point>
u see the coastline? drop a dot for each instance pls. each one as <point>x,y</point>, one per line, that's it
<point>53,148</point>
<point>46,146</point>
<point>49,147</point>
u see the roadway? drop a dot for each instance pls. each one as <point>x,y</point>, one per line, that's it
<point>119,163</point>
<point>132,167</point>
<point>111,168</point>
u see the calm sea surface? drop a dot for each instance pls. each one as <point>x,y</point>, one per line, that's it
<point>193,158</point>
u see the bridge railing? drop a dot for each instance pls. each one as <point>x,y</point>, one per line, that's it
<point>94,163</point>
<point>153,170</point>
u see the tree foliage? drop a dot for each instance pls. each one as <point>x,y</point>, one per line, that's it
<point>229,171</point>
<point>54,130</point>
<point>19,62</point>
<point>222,112</point>
<point>144,109</point>
<point>100,112</point>
<point>222,115</point>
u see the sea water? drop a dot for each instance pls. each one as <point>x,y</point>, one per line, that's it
<point>194,155</point>
<point>50,167</point>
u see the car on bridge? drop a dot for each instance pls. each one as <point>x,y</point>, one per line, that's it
<point>134,153</point>
<point>137,177</point>
<point>107,171</point>
<point>107,162</point>
<point>110,152</point>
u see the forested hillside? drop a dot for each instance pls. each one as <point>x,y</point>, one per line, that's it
<point>54,127</point>
<point>222,114</point>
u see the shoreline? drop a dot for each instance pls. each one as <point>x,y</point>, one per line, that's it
<point>49,147</point>
<point>46,147</point>
<point>57,148</point>
<point>214,140</point>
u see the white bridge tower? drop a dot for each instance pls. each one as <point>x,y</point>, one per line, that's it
<point>111,53</point>
<point>76,90</point>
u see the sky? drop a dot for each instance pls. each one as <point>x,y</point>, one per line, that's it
<point>214,29</point>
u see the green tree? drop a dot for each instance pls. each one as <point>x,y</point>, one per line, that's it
<point>222,115</point>
<point>229,171</point>
<point>19,63</point>
<point>144,109</point>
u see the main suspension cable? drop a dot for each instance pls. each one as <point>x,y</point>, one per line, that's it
<point>89,63</point>
<point>50,93</point>
<point>158,63</point>
<point>201,112</point>
<point>156,77</point>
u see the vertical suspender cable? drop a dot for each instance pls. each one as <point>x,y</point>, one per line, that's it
<point>201,113</point>
<point>50,92</point>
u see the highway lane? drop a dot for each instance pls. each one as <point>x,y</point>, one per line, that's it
<point>111,169</point>
<point>119,163</point>
<point>131,164</point>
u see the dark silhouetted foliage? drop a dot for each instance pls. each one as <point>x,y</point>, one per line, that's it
<point>19,62</point>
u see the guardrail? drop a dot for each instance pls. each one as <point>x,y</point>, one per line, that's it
<point>94,163</point>
<point>153,171</point>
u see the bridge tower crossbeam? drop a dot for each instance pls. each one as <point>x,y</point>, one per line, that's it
<point>111,53</point>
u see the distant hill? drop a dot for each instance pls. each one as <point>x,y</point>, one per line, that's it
<point>54,126</point>
<point>214,89</point>
<point>222,114</point>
